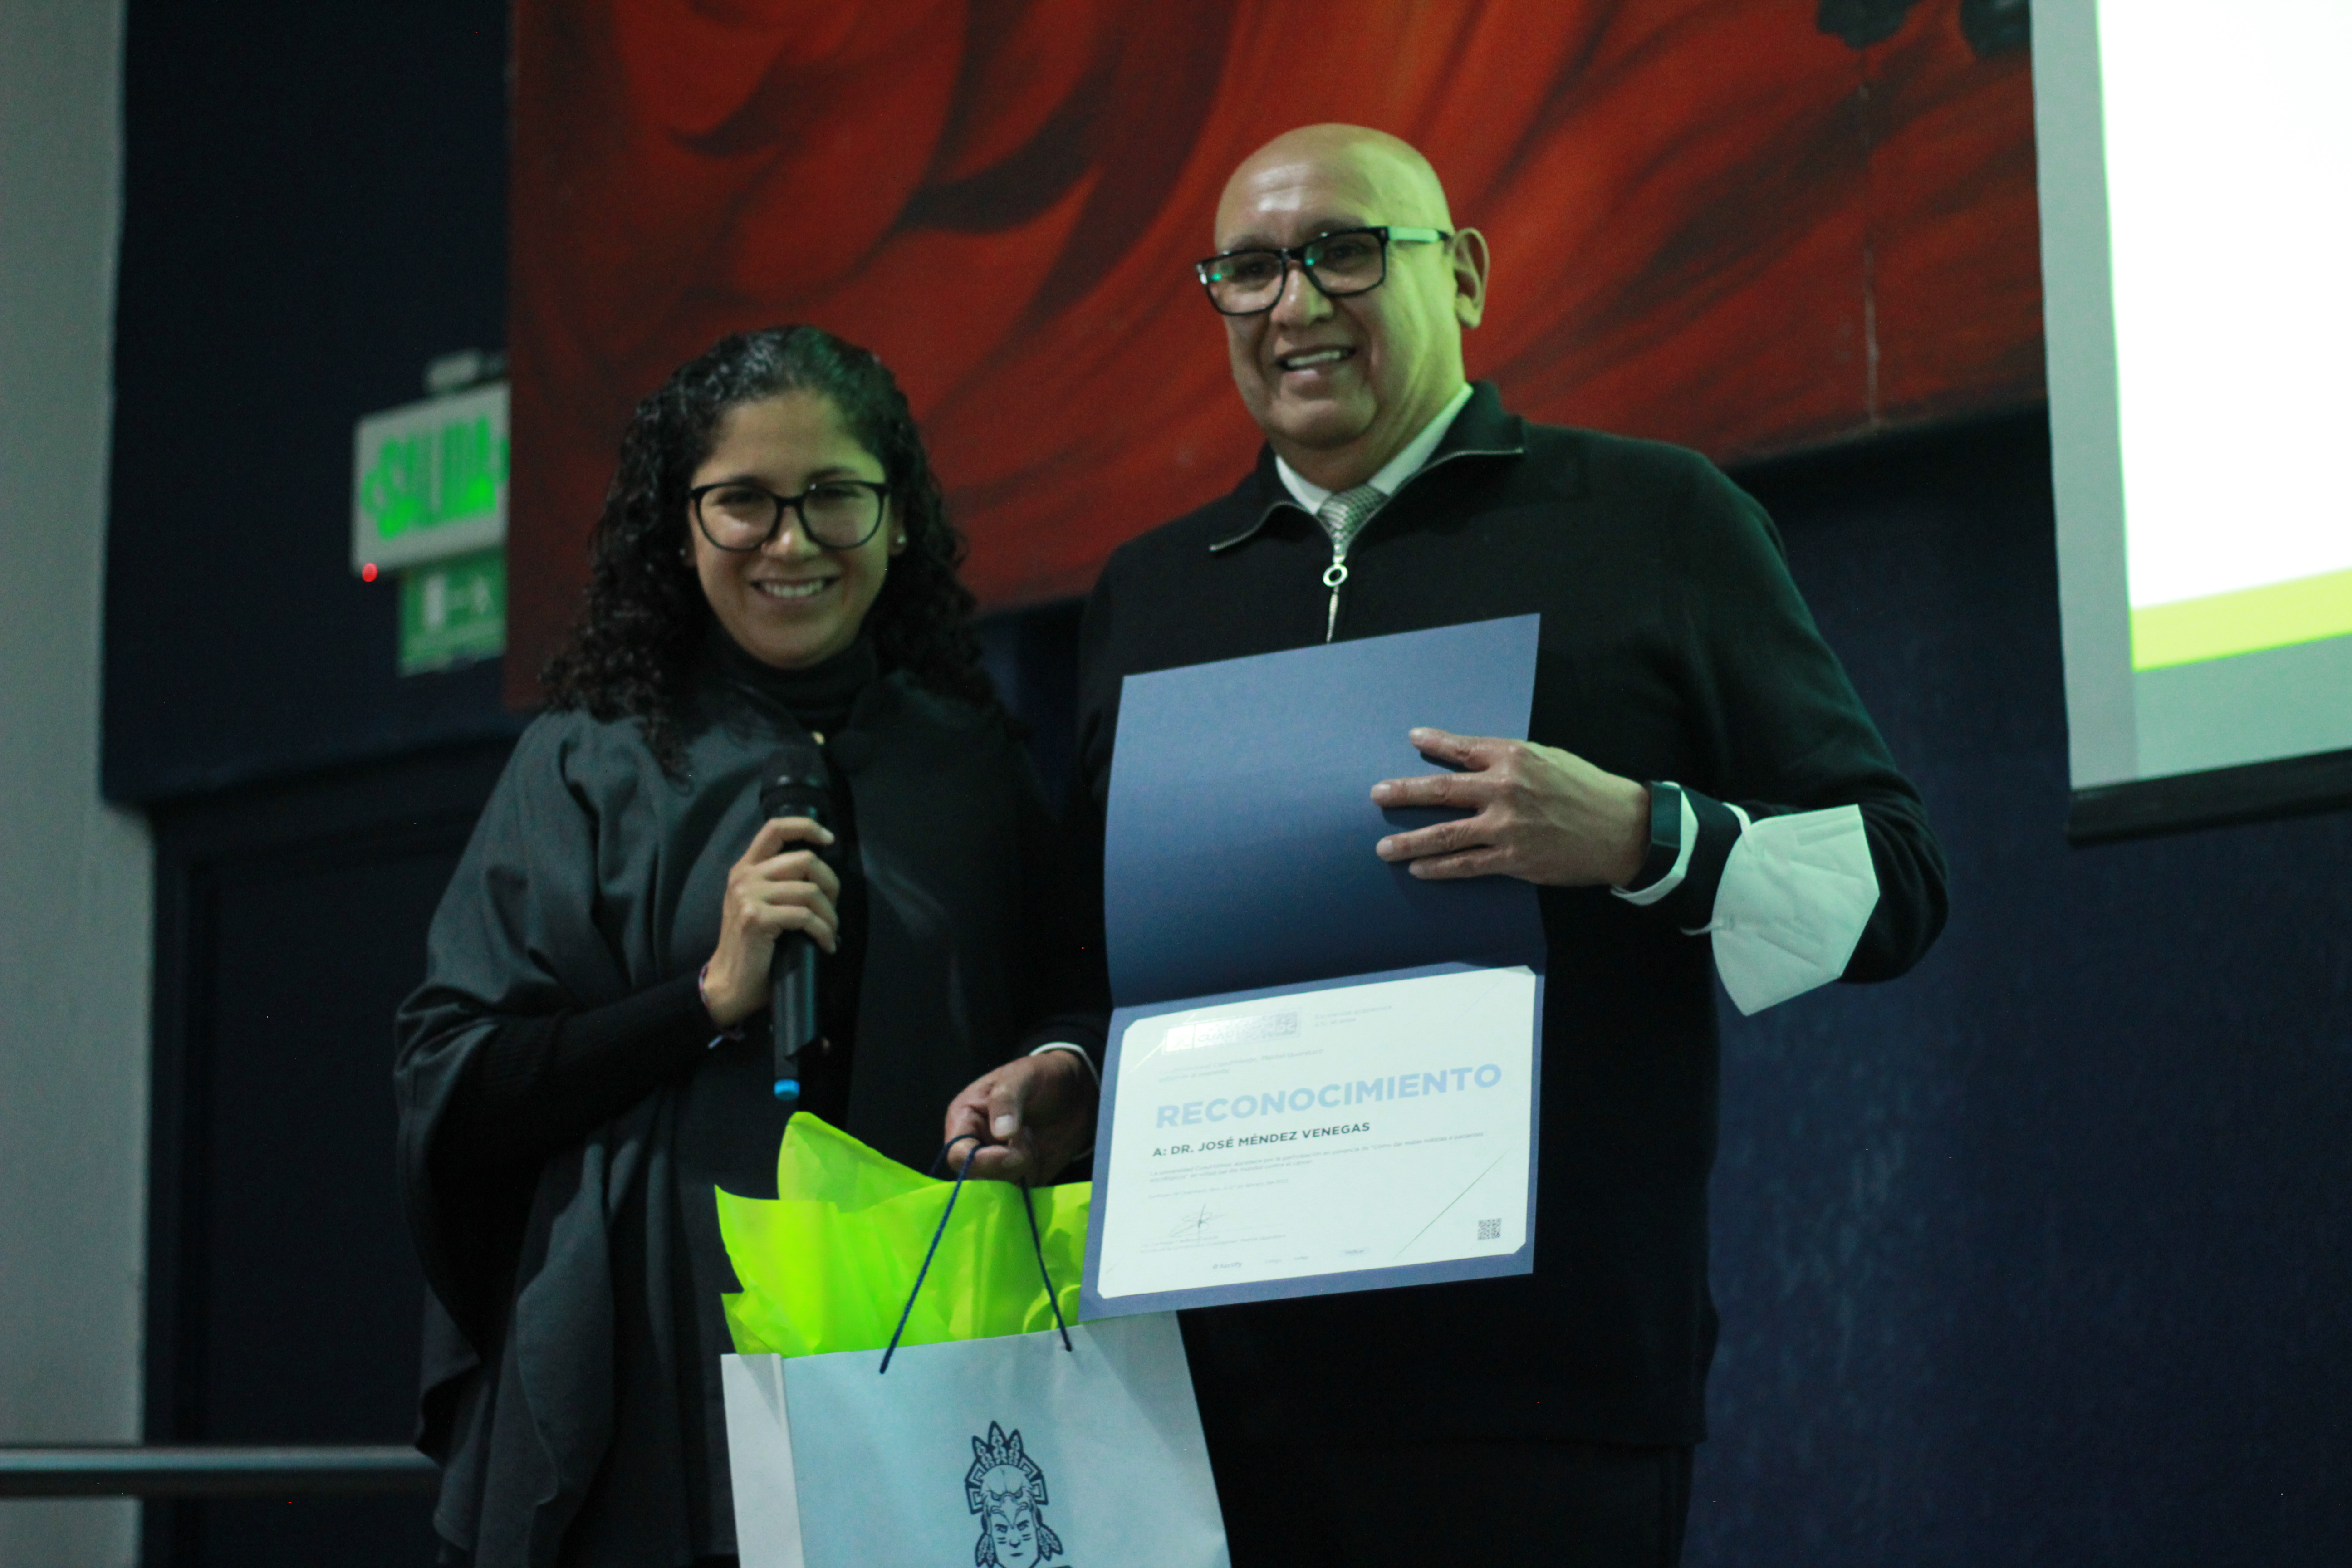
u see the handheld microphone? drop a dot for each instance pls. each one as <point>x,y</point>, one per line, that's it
<point>793,784</point>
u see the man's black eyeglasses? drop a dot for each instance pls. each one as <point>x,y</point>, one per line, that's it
<point>839,514</point>
<point>1349,261</point>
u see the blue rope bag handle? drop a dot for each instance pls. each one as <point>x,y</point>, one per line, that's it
<point>1035,1241</point>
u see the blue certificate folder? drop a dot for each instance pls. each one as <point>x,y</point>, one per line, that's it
<point>1239,865</point>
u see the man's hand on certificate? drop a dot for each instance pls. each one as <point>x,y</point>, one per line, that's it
<point>1542,814</point>
<point>1031,1116</point>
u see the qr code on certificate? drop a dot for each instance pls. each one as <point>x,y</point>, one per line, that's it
<point>1490,1230</point>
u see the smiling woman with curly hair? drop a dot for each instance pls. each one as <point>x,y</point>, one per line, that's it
<point>588,1057</point>
<point>635,649</point>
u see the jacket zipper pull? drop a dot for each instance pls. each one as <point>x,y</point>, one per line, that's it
<point>1333,576</point>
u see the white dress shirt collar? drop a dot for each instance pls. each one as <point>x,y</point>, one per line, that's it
<point>1395,473</point>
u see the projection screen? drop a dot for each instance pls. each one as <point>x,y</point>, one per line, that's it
<point>2196,179</point>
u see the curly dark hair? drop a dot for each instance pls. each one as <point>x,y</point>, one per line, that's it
<point>635,649</point>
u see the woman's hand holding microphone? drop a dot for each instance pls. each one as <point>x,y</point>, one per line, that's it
<point>773,891</point>
<point>1032,1115</point>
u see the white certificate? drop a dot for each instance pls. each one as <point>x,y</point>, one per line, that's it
<point>1310,1139</point>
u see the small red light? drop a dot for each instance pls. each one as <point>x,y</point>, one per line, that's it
<point>367,572</point>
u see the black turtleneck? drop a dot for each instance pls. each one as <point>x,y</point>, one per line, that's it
<point>819,697</point>
<point>540,1084</point>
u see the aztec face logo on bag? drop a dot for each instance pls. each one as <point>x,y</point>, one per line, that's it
<point>1006,1488</point>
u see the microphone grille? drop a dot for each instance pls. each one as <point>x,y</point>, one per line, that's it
<point>796,772</point>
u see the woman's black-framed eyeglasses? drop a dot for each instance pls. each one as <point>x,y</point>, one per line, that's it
<point>839,514</point>
<point>1347,261</point>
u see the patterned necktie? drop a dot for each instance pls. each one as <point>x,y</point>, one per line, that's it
<point>1343,516</point>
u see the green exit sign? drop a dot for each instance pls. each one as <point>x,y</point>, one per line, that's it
<point>453,612</point>
<point>429,480</point>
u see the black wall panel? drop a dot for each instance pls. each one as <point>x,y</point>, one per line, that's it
<point>284,1299</point>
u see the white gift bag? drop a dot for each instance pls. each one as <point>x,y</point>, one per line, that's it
<point>1075,1448</point>
<point>1009,1452</point>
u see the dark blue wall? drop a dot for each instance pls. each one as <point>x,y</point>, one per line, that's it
<point>2037,1256</point>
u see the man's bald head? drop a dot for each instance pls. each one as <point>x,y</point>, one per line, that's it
<point>1387,164</point>
<point>1340,386</point>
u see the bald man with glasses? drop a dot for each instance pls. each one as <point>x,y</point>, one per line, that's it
<point>1702,795</point>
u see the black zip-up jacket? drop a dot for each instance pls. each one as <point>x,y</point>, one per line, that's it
<point>1674,646</point>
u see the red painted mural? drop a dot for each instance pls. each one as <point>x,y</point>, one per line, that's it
<point>1749,225</point>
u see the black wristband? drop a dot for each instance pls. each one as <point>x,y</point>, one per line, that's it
<point>1692,903</point>
<point>1665,837</point>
